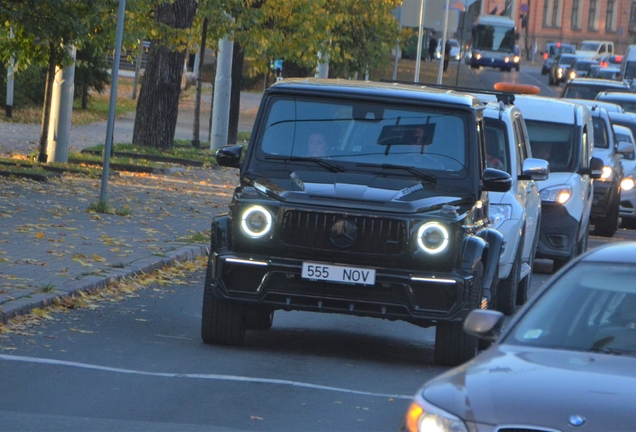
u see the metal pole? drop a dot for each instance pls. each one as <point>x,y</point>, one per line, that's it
<point>397,47</point>
<point>440,71</point>
<point>418,59</point>
<point>10,82</point>
<point>110,125</point>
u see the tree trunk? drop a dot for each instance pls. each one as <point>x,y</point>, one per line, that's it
<point>235,95</point>
<point>158,105</point>
<point>196,142</point>
<point>46,111</point>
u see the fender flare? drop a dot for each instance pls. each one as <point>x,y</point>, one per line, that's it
<point>490,256</point>
<point>484,247</point>
<point>219,233</point>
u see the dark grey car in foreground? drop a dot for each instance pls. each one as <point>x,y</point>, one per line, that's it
<point>566,362</point>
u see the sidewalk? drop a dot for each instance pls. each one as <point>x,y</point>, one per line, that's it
<point>51,246</point>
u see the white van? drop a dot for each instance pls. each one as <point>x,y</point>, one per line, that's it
<point>563,134</point>
<point>595,49</point>
<point>628,67</point>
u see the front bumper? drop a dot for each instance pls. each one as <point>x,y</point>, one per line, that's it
<point>604,195</point>
<point>628,203</point>
<point>558,232</point>
<point>420,297</point>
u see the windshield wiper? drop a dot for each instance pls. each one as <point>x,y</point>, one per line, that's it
<point>323,163</point>
<point>420,174</point>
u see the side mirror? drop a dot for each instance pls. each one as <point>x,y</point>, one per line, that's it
<point>496,180</point>
<point>484,324</point>
<point>229,156</point>
<point>595,170</point>
<point>624,147</point>
<point>535,169</point>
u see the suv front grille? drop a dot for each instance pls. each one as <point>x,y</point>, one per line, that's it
<point>374,235</point>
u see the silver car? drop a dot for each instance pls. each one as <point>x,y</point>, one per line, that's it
<point>566,362</point>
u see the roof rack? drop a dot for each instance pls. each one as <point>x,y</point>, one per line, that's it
<point>502,96</point>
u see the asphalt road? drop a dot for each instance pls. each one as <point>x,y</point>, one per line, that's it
<point>139,364</point>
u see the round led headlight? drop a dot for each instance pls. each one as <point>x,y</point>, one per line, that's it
<point>256,221</point>
<point>432,237</point>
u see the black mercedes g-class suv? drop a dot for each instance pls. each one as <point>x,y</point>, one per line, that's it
<point>358,198</point>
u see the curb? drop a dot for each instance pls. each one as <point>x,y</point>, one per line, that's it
<point>145,265</point>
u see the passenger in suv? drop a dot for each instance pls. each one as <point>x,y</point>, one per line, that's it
<point>562,132</point>
<point>381,226</point>
<point>518,210</point>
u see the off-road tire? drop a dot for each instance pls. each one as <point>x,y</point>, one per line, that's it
<point>508,288</point>
<point>608,226</point>
<point>222,322</point>
<point>453,345</point>
<point>259,318</point>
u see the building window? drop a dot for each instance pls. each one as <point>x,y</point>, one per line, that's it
<point>556,22</point>
<point>592,20</point>
<point>610,25</point>
<point>546,8</point>
<point>575,24</point>
<point>632,13</point>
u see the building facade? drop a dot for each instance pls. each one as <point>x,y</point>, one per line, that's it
<point>570,21</point>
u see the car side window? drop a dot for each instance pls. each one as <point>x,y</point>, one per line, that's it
<point>521,144</point>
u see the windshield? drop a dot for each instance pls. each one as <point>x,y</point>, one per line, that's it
<point>567,60</point>
<point>556,50</point>
<point>589,46</point>
<point>601,139</point>
<point>583,65</point>
<point>590,308</point>
<point>364,133</point>
<point>630,70</point>
<point>494,38</point>
<point>555,143</point>
<point>587,91</point>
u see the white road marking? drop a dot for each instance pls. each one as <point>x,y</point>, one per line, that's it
<point>198,376</point>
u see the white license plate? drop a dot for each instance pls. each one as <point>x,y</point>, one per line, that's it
<point>335,273</point>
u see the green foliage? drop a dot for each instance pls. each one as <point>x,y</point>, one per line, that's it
<point>28,86</point>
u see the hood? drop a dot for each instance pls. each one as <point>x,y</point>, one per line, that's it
<point>540,388</point>
<point>556,178</point>
<point>398,194</point>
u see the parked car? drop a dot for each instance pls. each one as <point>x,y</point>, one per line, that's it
<point>518,210</point>
<point>551,51</point>
<point>567,361</point>
<point>628,185</point>
<point>561,132</point>
<point>580,68</point>
<point>624,99</point>
<point>608,73</point>
<point>588,88</point>
<point>561,64</point>
<point>389,222</point>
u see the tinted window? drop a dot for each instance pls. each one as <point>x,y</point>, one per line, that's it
<point>601,140</point>
<point>360,132</point>
<point>497,145</point>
